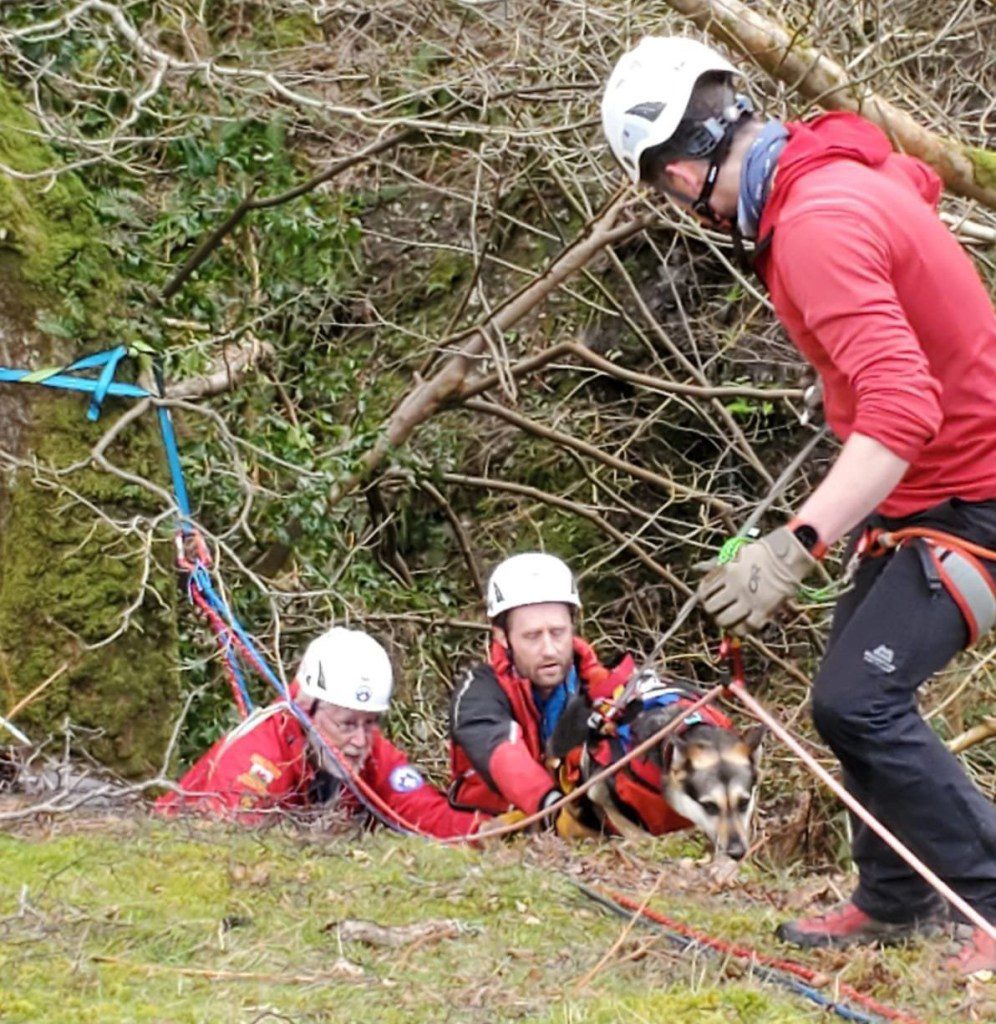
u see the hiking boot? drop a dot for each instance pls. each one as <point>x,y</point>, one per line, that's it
<point>976,959</point>
<point>848,925</point>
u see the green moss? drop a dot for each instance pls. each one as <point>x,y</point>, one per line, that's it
<point>68,578</point>
<point>49,225</point>
<point>294,30</point>
<point>983,167</point>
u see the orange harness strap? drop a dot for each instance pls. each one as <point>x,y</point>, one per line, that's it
<point>954,563</point>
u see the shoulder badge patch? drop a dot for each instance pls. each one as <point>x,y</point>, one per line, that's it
<point>405,779</point>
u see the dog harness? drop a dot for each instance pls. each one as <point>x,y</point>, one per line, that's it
<point>638,788</point>
<point>950,563</point>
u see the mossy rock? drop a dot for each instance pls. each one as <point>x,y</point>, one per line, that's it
<point>73,557</point>
<point>70,580</point>
<point>48,224</point>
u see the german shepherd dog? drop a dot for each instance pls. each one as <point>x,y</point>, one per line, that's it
<point>703,774</point>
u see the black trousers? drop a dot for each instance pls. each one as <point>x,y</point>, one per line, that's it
<point>890,633</point>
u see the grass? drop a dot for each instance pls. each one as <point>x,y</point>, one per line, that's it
<point>134,920</point>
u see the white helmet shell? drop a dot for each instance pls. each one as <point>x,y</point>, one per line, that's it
<point>348,668</point>
<point>648,92</point>
<point>530,578</point>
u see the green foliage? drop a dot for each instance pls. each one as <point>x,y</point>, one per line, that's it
<point>984,167</point>
<point>748,408</point>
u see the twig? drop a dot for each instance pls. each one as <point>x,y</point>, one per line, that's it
<point>634,920</point>
<point>40,688</point>
<point>341,970</point>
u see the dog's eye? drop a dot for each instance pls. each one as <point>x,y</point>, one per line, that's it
<point>743,804</point>
<point>709,806</point>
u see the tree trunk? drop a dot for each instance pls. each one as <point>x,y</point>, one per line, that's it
<point>77,562</point>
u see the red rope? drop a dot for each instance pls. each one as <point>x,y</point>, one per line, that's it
<point>807,974</point>
<point>222,632</point>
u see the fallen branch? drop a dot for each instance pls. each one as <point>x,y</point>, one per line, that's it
<point>227,372</point>
<point>968,171</point>
<point>340,969</point>
<point>577,509</point>
<point>372,934</point>
<point>668,486</point>
<point>476,385</point>
<point>429,396</point>
<point>38,690</point>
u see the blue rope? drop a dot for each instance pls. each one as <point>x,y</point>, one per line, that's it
<point>199,579</point>
<point>175,471</point>
<point>113,357</point>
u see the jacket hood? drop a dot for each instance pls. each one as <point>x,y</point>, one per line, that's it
<point>843,136</point>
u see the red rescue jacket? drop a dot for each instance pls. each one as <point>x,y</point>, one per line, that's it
<point>880,298</point>
<point>263,765</point>
<point>496,757</point>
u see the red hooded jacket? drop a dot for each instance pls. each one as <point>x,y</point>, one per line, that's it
<point>881,299</point>
<point>263,765</point>
<point>496,757</point>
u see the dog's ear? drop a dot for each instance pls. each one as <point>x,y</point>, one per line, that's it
<point>571,729</point>
<point>678,760</point>
<point>753,738</point>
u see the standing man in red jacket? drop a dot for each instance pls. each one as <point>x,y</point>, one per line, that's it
<point>881,300</point>
<point>504,710</point>
<point>272,761</point>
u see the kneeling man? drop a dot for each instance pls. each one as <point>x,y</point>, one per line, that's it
<point>271,761</point>
<point>505,710</point>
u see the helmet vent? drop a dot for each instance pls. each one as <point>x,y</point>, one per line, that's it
<point>648,111</point>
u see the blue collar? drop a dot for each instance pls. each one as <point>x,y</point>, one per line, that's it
<point>756,172</point>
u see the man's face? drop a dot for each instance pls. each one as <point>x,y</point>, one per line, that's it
<point>350,732</point>
<point>541,639</point>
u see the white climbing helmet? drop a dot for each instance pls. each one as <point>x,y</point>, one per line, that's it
<point>348,668</point>
<point>530,578</point>
<point>648,92</point>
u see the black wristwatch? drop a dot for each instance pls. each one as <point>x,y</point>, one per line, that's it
<point>807,536</point>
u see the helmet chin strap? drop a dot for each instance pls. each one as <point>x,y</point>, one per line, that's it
<point>702,206</point>
<point>734,118</point>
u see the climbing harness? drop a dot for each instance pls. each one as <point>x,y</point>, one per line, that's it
<point>795,977</point>
<point>637,789</point>
<point>950,563</point>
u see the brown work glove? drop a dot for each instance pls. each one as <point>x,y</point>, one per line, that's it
<point>744,593</point>
<point>499,822</point>
<point>569,827</point>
